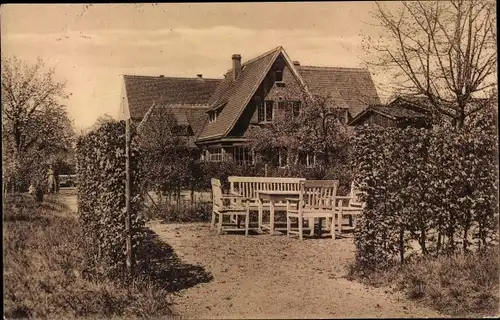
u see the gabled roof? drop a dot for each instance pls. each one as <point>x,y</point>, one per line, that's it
<point>348,87</point>
<point>391,112</point>
<point>235,94</point>
<point>417,101</point>
<point>142,91</point>
<point>397,112</point>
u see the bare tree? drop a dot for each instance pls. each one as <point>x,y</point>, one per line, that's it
<point>445,51</point>
<point>36,128</point>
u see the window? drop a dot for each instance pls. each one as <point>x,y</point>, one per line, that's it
<point>215,154</point>
<point>343,116</point>
<point>296,109</point>
<point>181,130</point>
<point>280,158</point>
<point>266,111</point>
<point>242,155</point>
<point>283,157</point>
<point>212,116</point>
<point>278,75</point>
<point>289,108</point>
<point>307,159</point>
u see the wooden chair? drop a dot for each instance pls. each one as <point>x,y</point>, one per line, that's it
<point>236,206</point>
<point>316,200</point>
<point>350,206</point>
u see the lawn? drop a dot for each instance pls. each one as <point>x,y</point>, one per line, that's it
<point>44,275</point>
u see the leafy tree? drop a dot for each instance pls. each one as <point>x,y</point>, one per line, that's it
<point>316,129</point>
<point>443,50</point>
<point>36,129</point>
<point>170,155</point>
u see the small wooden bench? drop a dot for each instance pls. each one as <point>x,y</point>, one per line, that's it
<point>248,188</point>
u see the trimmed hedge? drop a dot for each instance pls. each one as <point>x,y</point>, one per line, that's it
<point>203,171</point>
<point>101,196</point>
<point>437,187</point>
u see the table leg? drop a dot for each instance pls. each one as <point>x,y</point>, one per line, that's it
<point>260,215</point>
<point>320,227</point>
<point>271,217</point>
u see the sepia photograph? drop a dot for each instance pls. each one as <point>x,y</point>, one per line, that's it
<point>257,160</point>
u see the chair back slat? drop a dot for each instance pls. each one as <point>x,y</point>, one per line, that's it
<point>318,194</point>
<point>248,186</point>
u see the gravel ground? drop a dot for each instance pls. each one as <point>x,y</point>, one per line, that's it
<point>263,276</point>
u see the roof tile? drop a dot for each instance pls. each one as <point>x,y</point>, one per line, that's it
<point>143,91</point>
<point>349,87</point>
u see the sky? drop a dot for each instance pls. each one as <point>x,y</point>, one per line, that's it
<point>92,46</point>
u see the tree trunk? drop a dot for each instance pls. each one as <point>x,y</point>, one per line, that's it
<point>451,239</point>
<point>480,232</point>
<point>464,241</point>
<point>438,246</point>
<point>402,246</point>
<point>422,240</point>
<point>460,119</point>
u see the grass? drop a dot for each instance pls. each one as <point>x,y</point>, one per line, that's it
<point>459,285</point>
<point>44,275</point>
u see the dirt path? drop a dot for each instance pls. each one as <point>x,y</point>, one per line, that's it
<point>68,197</point>
<point>275,277</point>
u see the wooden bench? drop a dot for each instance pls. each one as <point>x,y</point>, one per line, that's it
<point>248,188</point>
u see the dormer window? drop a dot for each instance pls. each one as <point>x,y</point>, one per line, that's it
<point>278,75</point>
<point>212,116</point>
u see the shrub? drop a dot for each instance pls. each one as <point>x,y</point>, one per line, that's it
<point>101,196</point>
<point>180,212</point>
<point>417,182</point>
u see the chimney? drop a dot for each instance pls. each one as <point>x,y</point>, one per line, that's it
<point>200,76</point>
<point>296,63</point>
<point>236,65</point>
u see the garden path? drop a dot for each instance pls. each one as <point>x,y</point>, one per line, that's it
<point>260,276</point>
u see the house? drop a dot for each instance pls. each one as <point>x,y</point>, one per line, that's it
<point>402,112</point>
<point>219,112</point>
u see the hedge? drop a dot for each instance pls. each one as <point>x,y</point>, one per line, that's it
<point>438,187</point>
<point>101,196</point>
<point>198,175</point>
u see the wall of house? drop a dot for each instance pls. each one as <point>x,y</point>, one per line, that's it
<point>268,90</point>
<point>380,120</point>
<point>377,119</point>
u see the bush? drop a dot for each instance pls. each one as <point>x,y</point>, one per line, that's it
<point>417,182</point>
<point>101,196</point>
<point>180,212</point>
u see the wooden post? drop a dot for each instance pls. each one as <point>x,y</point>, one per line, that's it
<point>4,196</point>
<point>127,197</point>
<point>265,170</point>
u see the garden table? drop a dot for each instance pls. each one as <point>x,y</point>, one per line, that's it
<point>273,196</point>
